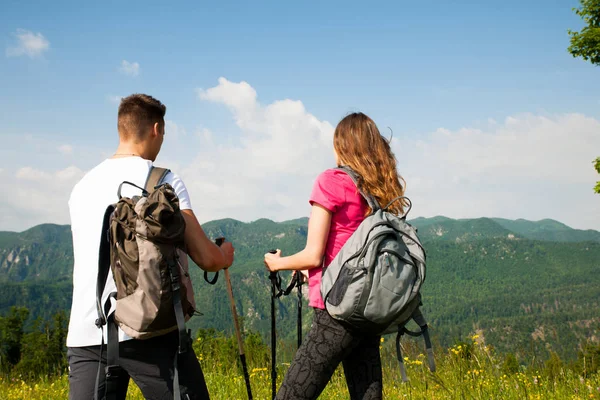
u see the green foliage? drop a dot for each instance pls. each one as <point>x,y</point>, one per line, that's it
<point>479,376</point>
<point>597,167</point>
<point>548,230</point>
<point>42,253</point>
<point>525,295</point>
<point>44,351</point>
<point>39,352</point>
<point>588,359</point>
<point>43,299</point>
<point>554,367</point>
<point>586,43</point>
<point>458,231</point>
<point>510,365</point>
<point>11,335</point>
<point>222,350</point>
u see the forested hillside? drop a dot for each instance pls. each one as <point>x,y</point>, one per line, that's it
<point>526,286</point>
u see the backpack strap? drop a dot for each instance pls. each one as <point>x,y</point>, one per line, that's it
<point>103,266</point>
<point>112,369</point>
<point>184,336</point>
<point>418,317</point>
<point>420,320</point>
<point>371,201</point>
<point>155,177</point>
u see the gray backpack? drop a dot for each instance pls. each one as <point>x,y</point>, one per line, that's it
<point>373,284</point>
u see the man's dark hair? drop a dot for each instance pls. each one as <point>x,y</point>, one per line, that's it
<point>137,113</point>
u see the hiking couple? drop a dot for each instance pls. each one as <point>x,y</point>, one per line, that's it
<point>337,210</point>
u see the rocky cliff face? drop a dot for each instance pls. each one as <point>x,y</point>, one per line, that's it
<point>44,252</point>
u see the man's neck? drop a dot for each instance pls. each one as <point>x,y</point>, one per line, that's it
<point>130,150</point>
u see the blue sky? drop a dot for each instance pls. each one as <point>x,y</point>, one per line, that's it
<point>480,78</point>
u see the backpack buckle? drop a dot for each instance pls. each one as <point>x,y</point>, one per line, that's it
<point>100,322</point>
<point>112,371</point>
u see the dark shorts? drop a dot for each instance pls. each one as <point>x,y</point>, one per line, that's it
<point>148,362</point>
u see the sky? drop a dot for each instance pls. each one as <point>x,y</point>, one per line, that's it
<point>489,115</point>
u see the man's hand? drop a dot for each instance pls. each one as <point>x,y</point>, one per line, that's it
<point>228,253</point>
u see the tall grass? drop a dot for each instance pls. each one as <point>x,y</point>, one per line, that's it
<point>468,370</point>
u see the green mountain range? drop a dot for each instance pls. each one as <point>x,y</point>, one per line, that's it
<point>525,286</point>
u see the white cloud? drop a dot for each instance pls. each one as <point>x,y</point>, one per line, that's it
<point>130,68</point>
<point>65,149</point>
<point>114,99</point>
<point>527,166</point>
<point>240,97</point>
<point>530,166</point>
<point>32,174</point>
<point>269,170</point>
<point>28,44</point>
<point>38,196</point>
<point>174,130</point>
<point>205,134</point>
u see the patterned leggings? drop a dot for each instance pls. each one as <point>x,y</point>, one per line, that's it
<point>328,343</point>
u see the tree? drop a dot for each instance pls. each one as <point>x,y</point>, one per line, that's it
<point>43,350</point>
<point>597,166</point>
<point>588,359</point>
<point>511,364</point>
<point>11,334</point>
<point>586,43</point>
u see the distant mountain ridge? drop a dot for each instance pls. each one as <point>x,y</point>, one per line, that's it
<point>549,230</point>
<point>44,252</point>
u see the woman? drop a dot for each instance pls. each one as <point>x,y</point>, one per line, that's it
<point>337,211</point>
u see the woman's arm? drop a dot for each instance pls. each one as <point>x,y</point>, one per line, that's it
<point>312,255</point>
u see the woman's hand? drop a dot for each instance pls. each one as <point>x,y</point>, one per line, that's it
<point>272,260</point>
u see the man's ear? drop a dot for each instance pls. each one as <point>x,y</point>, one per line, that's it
<point>156,129</point>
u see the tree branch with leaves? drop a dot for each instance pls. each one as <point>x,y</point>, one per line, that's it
<point>586,44</point>
<point>597,166</point>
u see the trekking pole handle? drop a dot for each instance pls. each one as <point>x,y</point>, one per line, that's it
<point>218,241</point>
<point>275,280</point>
<point>273,274</point>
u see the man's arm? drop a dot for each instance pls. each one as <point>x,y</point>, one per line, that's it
<point>203,252</point>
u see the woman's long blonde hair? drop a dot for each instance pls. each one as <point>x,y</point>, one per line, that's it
<point>360,146</point>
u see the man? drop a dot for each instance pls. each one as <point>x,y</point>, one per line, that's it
<point>148,362</point>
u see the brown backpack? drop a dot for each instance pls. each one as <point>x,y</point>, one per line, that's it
<point>143,243</point>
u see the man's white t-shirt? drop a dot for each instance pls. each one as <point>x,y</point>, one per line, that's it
<point>89,199</point>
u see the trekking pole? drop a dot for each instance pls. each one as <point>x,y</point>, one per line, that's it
<point>299,282</point>
<point>275,290</point>
<point>238,334</point>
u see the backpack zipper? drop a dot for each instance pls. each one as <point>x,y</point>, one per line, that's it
<point>411,262</point>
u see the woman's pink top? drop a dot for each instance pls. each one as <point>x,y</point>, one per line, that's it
<point>335,191</point>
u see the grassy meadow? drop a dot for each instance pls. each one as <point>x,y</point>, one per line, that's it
<point>469,370</point>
